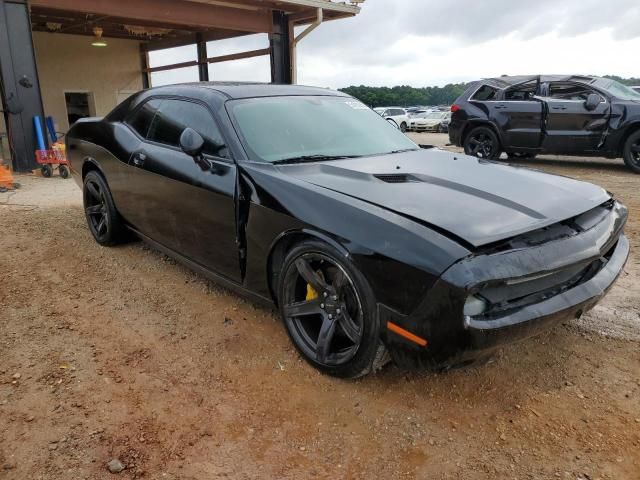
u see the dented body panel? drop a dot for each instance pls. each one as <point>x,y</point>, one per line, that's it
<point>426,228</point>
<point>548,123</point>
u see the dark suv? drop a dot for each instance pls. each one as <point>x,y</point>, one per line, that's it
<point>567,115</point>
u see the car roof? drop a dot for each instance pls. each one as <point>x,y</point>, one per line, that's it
<point>509,80</point>
<point>233,90</point>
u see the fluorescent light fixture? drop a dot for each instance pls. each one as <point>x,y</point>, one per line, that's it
<point>98,41</point>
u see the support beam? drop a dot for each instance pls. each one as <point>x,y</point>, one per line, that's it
<point>144,66</point>
<point>218,59</point>
<point>173,12</point>
<point>203,65</point>
<point>239,56</point>
<point>280,47</point>
<point>20,85</point>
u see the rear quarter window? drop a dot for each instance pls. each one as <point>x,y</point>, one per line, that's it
<point>484,93</point>
<point>141,118</point>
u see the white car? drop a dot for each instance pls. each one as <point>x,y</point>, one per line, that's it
<point>397,114</point>
<point>427,121</point>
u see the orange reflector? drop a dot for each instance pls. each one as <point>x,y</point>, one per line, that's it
<point>406,334</point>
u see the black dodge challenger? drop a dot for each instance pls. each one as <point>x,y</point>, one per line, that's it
<point>368,244</point>
<point>567,115</point>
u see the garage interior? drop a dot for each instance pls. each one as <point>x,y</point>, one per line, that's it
<point>74,58</point>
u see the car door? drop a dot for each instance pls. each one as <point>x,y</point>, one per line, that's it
<point>186,208</point>
<point>569,126</point>
<point>518,115</point>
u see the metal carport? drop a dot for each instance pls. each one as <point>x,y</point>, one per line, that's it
<point>172,23</point>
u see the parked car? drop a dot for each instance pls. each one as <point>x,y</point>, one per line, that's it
<point>305,199</point>
<point>427,122</point>
<point>444,124</point>
<point>568,115</point>
<point>397,114</point>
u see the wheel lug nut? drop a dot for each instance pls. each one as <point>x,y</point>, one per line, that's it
<point>325,294</point>
<point>322,305</point>
<point>330,317</point>
<point>338,311</point>
<point>335,297</point>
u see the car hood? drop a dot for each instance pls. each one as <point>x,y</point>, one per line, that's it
<point>474,200</point>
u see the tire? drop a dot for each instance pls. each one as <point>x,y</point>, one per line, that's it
<point>482,142</point>
<point>403,127</point>
<point>631,152</point>
<point>329,311</point>
<point>46,170</point>
<point>103,219</point>
<point>63,171</point>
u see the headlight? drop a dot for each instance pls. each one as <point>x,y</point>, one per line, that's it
<point>474,306</point>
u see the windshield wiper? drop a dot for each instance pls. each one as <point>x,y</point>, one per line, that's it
<point>403,150</point>
<point>311,158</point>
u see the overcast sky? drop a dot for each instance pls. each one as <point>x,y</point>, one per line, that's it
<point>434,42</point>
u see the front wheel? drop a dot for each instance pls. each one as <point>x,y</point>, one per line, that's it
<point>102,217</point>
<point>63,171</point>
<point>482,142</point>
<point>329,311</point>
<point>631,152</point>
<point>403,127</point>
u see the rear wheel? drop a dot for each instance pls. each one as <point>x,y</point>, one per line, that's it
<point>63,171</point>
<point>403,127</point>
<point>329,311</point>
<point>482,142</point>
<point>102,217</point>
<point>631,152</point>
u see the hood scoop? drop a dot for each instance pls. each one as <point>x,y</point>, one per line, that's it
<point>397,178</point>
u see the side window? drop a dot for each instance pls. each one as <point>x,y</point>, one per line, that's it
<point>485,93</point>
<point>142,117</point>
<point>569,91</point>
<point>523,92</point>
<point>174,116</point>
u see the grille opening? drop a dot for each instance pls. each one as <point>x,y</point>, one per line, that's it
<point>517,296</point>
<point>396,178</point>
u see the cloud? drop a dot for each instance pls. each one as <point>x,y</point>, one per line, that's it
<point>434,42</point>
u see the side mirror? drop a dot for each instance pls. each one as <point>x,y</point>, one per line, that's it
<point>592,101</point>
<point>191,143</point>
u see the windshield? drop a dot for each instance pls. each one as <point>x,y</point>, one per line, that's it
<point>280,128</point>
<point>619,90</point>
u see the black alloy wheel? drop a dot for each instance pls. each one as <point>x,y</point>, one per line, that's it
<point>631,152</point>
<point>482,142</point>
<point>102,218</point>
<point>329,312</point>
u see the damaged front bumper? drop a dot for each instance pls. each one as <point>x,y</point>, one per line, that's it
<point>527,289</point>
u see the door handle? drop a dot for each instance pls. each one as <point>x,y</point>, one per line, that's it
<point>558,108</point>
<point>137,159</point>
<point>500,107</point>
